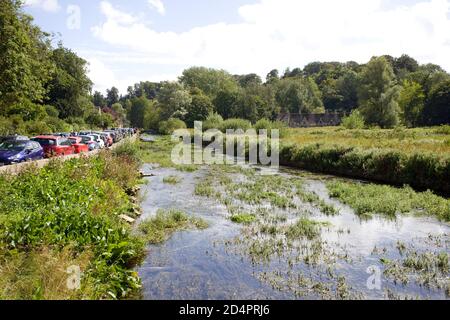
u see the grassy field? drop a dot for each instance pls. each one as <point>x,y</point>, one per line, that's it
<point>416,157</point>
<point>419,140</point>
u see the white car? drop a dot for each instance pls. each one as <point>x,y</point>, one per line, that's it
<point>99,140</point>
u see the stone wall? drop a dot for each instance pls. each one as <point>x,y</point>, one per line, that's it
<point>297,120</point>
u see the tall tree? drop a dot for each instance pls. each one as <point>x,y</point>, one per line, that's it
<point>69,88</point>
<point>210,81</point>
<point>298,95</point>
<point>199,108</point>
<point>173,99</point>
<point>25,51</point>
<point>378,94</point>
<point>112,96</point>
<point>411,102</point>
<point>98,99</point>
<point>437,107</point>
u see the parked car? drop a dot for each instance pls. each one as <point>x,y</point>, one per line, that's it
<point>55,146</point>
<point>98,139</point>
<point>78,145</point>
<point>62,134</point>
<point>90,142</point>
<point>16,151</point>
<point>13,138</point>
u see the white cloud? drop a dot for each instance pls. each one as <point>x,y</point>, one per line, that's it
<point>46,5</point>
<point>158,6</point>
<point>282,33</point>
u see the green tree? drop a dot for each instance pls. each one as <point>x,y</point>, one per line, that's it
<point>437,107</point>
<point>224,102</point>
<point>273,76</point>
<point>25,51</point>
<point>199,108</point>
<point>411,102</point>
<point>378,94</point>
<point>98,99</point>
<point>297,95</point>
<point>174,99</point>
<point>112,96</point>
<point>69,88</point>
<point>139,106</point>
<point>210,81</point>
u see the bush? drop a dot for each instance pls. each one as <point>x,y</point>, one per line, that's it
<point>235,124</point>
<point>443,129</point>
<point>354,121</point>
<point>214,121</point>
<point>422,171</point>
<point>263,124</point>
<point>169,126</point>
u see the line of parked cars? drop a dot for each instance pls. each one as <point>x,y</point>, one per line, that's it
<point>17,149</point>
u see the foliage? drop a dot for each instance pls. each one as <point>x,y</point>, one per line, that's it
<point>235,124</point>
<point>25,57</point>
<point>199,108</point>
<point>378,94</point>
<point>169,126</point>
<point>354,121</point>
<point>419,170</point>
<point>411,102</point>
<point>209,81</point>
<point>243,218</point>
<point>437,107</point>
<point>214,121</point>
<point>73,209</point>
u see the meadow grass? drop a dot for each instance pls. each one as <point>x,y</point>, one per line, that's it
<point>421,140</point>
<point>417,157</point>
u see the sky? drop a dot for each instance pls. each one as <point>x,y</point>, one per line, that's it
<point>154,40</point>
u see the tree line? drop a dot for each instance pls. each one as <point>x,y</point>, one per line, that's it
<point>385,92</point>
<point>45,89</point>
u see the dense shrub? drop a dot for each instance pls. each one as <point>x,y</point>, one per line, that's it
<point>235,124</point>
<point>354,121</point>
<point>419,170</point>
<point>214,121</point>
<point>169,126</point>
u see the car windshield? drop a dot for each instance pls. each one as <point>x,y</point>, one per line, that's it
<point>45,142</point>
<point>86,139</point>
<point>12,146</point>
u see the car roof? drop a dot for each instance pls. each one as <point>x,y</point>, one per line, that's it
<point>47,137</point>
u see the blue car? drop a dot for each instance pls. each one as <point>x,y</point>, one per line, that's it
<point>19,151</point>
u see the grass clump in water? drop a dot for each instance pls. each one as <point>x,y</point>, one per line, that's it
<point>243,218</point>
<point>159,228</point>
<point>172,180</point>
<point>368,199</point>
<point>304,228</point>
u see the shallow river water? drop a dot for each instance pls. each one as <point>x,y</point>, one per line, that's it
<point>200,264</point>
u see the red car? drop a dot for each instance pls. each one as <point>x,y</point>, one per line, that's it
<point>55,146</point>
<point>78,146</point>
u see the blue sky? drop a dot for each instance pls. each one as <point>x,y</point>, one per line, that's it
<point>129,41</point>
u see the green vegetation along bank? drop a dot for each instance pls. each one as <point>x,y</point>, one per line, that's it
<point>419,158</point>
<point>66,217</point>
